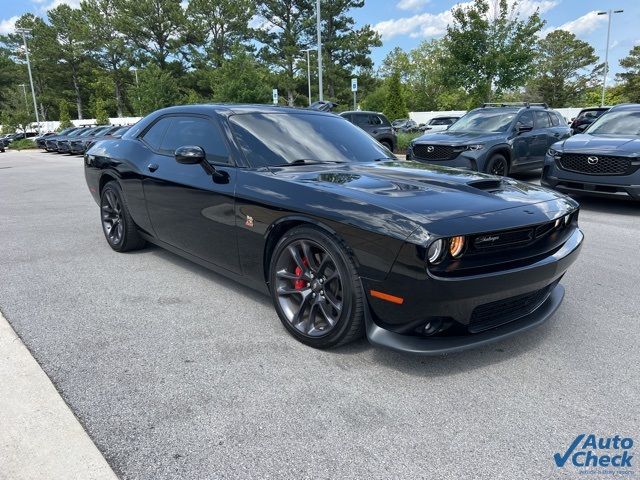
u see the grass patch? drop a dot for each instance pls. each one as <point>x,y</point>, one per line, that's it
<point>404,139</point>
<point>22,144</point>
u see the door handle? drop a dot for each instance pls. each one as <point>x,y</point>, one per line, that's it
<point>152,167</point>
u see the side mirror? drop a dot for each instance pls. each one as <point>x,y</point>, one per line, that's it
<point>523,128</point>
<point>190,155</point>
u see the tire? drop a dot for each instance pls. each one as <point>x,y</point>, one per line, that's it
<point>387,144</point>
<point>497,165</point>
<point>114,212</point>
<point>320,278</point>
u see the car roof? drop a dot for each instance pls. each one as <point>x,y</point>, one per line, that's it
<point>230,109</point>
<point>369,112</point>
<point>626,106</point>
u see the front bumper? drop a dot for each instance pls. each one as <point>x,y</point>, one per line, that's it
<point>63,147</point>
<point>601,185</point>
<point>466,160</point>
<point>457,298</point>
<point>77,148</point>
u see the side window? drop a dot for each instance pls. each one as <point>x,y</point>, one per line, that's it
<point>526,119</point>
<point>196,131</point>
<point>348,116</point>
<point>153,137</point>
<point>374,120</point>
<point>361,119</point>
<point>555,121</point>
<point>384,121</point>
<point>542,119</point>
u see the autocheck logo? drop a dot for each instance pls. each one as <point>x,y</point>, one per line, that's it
<point>598,455</point>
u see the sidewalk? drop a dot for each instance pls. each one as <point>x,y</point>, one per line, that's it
<point>40,438</point>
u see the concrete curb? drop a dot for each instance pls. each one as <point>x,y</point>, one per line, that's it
<point>39,435</point>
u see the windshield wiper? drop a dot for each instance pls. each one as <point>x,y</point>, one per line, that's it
<point>305,161</point>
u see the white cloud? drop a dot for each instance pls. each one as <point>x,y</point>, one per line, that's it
<point>411,4</point>
<point>7,26</point>
<point>57,3</point>
<point>584,24</point>
<point>435,24</point>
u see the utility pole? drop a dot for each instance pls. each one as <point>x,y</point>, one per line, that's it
<point>25,32</point>
<point>24,90</point>
<point>606,55</point>
<point>135,71</point>
<point>309,71</point>
<point>318,28</point>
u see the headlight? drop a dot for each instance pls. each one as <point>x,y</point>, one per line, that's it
<point>434,254</point>
<point>456,246</point>
<point>567,219</point>
<point>553,153</point>
<point>473,148</point>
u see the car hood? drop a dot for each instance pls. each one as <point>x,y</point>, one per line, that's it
<point>616,144</point>
<point>457,138</point>
<point>430,194</point>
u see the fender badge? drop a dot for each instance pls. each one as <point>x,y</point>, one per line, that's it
<point>249,221</point>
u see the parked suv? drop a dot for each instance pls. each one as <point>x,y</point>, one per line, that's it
<point>376,125</point>
<point>496,138</point>
<point>585,118</point>
<point>604,160</point>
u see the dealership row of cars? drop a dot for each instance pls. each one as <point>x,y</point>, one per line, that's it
<point>598,153</point>
<point>76,140</point>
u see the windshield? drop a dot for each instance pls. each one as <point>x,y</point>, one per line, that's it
<point>624,122</point>
<point>484,121</point>
<point>270,139</point>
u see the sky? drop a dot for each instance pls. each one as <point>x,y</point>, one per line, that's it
<point>405,23</point>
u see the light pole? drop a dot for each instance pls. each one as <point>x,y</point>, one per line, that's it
<point>318,20</point>
<point>606,55</point>
<point>135,71</point>
<point>24,90</point>
<point>308,71</point>
<point>25,32</point>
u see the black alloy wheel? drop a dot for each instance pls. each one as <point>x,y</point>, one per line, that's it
<point>498,165</point>
<point>119,228</point>
<point>315,288</point>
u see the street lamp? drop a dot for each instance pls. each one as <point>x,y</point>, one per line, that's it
<point>318,20</point>
<point>135,71</point>
<point>308,71</point>
<point>25,32</point>
<point>606,55</point>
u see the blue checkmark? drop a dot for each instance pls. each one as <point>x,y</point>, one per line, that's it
<point>562,459</point>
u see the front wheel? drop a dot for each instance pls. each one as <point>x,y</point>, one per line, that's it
<point>315,288</point>
<point>498,165</point>
<point>119,228</point>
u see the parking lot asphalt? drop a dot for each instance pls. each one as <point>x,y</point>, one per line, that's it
<point>177,372</point>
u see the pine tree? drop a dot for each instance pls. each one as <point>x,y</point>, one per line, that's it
<point>102,117</point>
<point>395,106</point>
<point>65,120</point>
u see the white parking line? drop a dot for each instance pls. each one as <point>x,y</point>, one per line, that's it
<point>39,435</point>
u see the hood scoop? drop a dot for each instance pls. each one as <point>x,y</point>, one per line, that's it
<point>487,185</point>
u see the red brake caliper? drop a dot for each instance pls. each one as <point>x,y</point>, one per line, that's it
<point>300,283</point>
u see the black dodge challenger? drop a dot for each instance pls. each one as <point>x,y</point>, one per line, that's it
<point>345,238</point>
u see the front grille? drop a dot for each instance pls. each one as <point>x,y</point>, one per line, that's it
<point>435,152</point>
<point>494,314</point>
<point>596,164</point>
<point>504,238</point>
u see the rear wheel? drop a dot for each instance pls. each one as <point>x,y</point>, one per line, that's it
<point>387,144</point>
<point>498,165</point>
<point>119,228</point>
<point>315,288</point>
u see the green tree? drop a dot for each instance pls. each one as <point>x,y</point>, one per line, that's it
<point>71,34</point>
<point>16,113</point>
<point>241,79</point>
<point>490,50</point>
<point>218,28</point>
<point>346,50</point>
<point>102,117</point>
<point>155,28</point>
<point>158,89</point>
<point>110,49</point>
<point>630,77</point>
<point>395,106</point>
<point>562,69</point>
<point>287,30</point>
<point>65,120</point>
